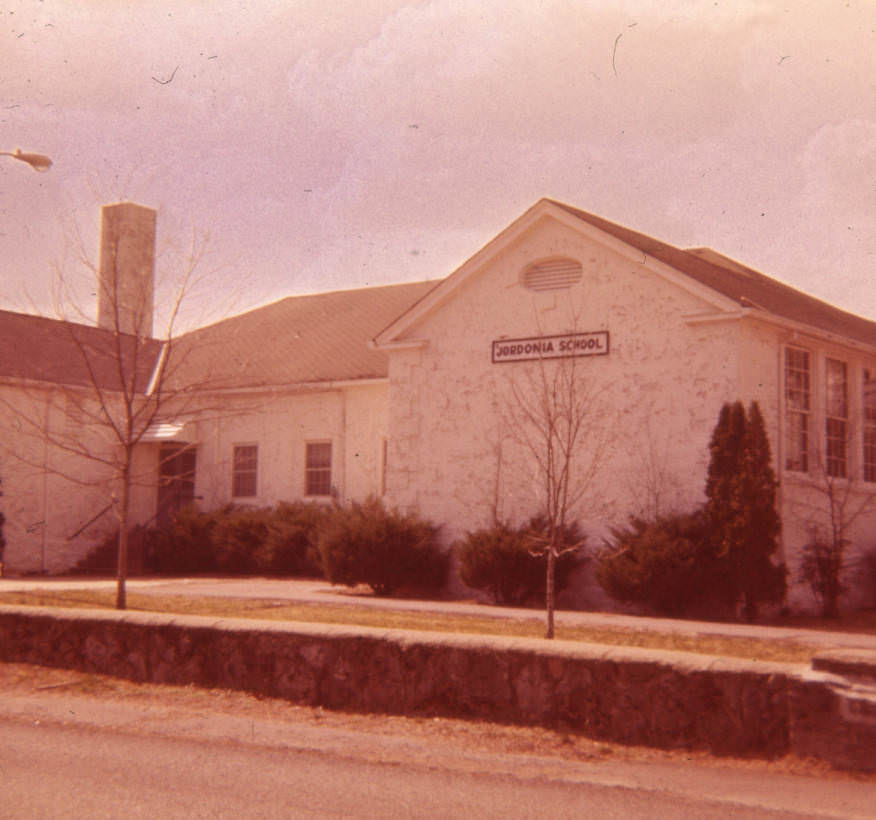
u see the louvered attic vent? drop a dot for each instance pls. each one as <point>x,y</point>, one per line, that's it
<point>552,274</point>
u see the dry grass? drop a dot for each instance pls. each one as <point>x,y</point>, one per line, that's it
<point>351,614</point>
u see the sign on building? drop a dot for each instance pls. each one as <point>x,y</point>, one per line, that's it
<point>551,347</point>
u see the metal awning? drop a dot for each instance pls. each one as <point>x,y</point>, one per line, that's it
<point>160,431</point>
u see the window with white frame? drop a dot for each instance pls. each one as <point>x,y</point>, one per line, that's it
<point>836,411</point>
<point>244,471</point>
<point>868,394</point>
<point>797,409</point>
<point>318,468</point>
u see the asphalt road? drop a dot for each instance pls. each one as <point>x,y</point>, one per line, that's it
<point>75,772</point>
<point>168,752</point>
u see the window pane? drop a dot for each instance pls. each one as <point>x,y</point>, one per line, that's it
<point>797,455</point>
<point>797,379</point>
<point>836,389</point>
<point>797,404</point>
<point>836,411</point>
<point>319,468</point>
<point>245,470</point>
<point>869,398</point>
<point>836,448</point>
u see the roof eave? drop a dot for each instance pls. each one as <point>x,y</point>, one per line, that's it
<point>293,387</point>
<point>809,330</point>
<point>406,344</point>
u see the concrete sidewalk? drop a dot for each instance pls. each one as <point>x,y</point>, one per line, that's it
<point>319,591</point>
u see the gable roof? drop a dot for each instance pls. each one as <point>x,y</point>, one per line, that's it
<point>57,352</point>
<point>704,268</point>
<point>313,338</point>
<point>745,286</point>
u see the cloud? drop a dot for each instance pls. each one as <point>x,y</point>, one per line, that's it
<point>839,200</point>
<point>308,134</point>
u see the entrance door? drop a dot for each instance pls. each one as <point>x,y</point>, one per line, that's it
<point>176,480</point>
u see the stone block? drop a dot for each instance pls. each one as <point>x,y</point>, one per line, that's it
<point>628,695</point>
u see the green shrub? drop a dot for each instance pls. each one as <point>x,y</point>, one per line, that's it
<point>240,541</point>
<point>239,536</point>
<point>365,543</point>
<point>290,548</point>
<point>666,564</point>
<point>185,545</point>
<point>507,563</point>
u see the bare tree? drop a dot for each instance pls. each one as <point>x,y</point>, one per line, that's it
<point>651,477</point>
<point>835,503</point>
<point>553,414</point>
<point>122,380</point>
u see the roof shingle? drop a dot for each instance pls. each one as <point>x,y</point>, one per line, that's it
<point>67,353</point>
<point>319,337</point>
<point>747,287</point>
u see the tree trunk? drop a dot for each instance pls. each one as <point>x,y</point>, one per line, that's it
<point>549,591</point>
<point>121,596</point>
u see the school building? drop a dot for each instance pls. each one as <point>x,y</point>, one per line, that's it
<point>419,392</point>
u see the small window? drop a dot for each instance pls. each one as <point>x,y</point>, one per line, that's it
<point>552,274</point>
<point>836,417</point>
<point>245,471</point>
<point>797,408</point>
<point>319,468</point>
<point>869,415</point>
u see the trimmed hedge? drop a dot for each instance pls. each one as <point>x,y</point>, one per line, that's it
<point>357,544</point>
<point>366,543</point>
<point>279,541</point>
<point>290,547</point>
<point>667,564</point>
<point>504,561</point>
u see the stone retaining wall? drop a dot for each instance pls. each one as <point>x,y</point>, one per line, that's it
<point>628,695</point>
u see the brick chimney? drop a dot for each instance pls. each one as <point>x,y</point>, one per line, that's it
<point>126,268</point>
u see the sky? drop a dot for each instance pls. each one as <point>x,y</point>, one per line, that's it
<point>321,145</point>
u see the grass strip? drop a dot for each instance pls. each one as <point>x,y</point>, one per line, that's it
<point>351,614</point>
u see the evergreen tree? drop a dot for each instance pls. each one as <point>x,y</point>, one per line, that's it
<point>722,490</point>
<point>743,522</point>
<point>760,580</point>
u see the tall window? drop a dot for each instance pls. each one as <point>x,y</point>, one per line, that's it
<point>797,409</point>
<point>837,417</point>
<point>869,418</point>
<point>244,471</point>
<point>319,468</point>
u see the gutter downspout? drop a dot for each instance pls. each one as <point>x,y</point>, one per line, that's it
<point>159,365</point>
<point>45,483</point>
<point>342,471</point>
<point>780,447</point>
